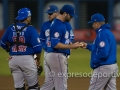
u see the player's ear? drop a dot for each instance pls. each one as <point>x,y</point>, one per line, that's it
<point>65,14</point>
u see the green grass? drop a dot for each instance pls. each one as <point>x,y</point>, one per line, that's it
<point>4,68</point>
<point>79,61</point>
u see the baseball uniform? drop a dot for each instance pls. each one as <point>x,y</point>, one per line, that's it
<point>56,58</point>
<point>22,63</point>
<point>44,37</point>
<point>103,57</point>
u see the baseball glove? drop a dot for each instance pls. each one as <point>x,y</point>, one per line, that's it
<point>7,46</point>
<point>40,69</point>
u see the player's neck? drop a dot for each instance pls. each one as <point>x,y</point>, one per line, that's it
<point>26,22</point>
<point>60,17</point>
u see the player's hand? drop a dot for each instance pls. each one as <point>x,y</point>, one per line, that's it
<point>83,45</point>
<point>37,62</point>
<point>76,45</point>
<point>9,58</point>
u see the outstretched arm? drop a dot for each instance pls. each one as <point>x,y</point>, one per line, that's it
<point>87,46</point>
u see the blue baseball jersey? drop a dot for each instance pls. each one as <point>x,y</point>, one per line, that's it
<point>69,28</point>
<point>44,34</point>
<point>103,49</point>
<point>58,33</point>
<point>29,35</point>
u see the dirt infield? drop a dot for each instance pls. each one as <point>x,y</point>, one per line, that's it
<point>6,83</point>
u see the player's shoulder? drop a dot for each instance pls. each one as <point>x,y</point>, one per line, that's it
<point>57,23</point>
<point>10,27</point>
<point>57,26</point>
<point>68,25</point>
<point>31,28</point>
<point>46,23</point>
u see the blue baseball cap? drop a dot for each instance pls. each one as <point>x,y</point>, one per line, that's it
<point>97,18</point>
<point>69,9</point>
<point>52,9</point>
<point>23,13</point>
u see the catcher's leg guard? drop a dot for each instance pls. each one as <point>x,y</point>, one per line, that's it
<point>35,87</point>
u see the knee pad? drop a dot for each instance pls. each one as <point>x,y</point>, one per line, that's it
<point>34,87</point>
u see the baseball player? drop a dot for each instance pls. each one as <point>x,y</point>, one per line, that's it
<point>52,12</point>
<point>103,55</point>
<point>58,49</point>
<point>22,41</point>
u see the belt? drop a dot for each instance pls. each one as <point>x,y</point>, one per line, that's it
<point>66,55</point>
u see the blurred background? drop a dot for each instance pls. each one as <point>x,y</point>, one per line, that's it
<point>79,59</point>
<point>83,8</point>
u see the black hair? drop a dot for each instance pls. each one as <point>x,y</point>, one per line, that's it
<point>20,20</point>
<point>61,12</point>
<point>102,22</point>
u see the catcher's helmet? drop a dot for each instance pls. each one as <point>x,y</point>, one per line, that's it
<point>23,13</point>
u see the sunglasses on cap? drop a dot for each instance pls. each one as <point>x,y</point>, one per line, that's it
<point>50,13</point>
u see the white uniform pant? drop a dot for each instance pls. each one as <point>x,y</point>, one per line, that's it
<point>104,77</point>
<point>56,72</point>
<point>23,67</point>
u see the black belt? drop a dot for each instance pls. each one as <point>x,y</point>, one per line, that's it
<point>65,54</point>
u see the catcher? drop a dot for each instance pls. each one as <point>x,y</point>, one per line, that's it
<point>22,41</point>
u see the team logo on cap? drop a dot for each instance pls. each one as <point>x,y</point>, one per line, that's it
<point>102,44</point>
<point>29,14</point>
<point>48,8</point>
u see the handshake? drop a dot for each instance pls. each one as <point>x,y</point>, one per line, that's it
<point>79,44</point>
<point>83,45</point>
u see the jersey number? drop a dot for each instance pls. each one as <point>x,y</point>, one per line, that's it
<point>21,39</point>
<point>21,48</point>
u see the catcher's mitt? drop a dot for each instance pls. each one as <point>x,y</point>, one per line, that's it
<point>40,69</point>
<point>8,46</point>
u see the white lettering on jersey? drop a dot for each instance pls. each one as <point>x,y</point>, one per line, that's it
<point>47,32</point>
<point>67,41</point>
<point>52,23</point>
<point>38,39</point>
<point>71,33</point>
<point>18,27</point>
<point>102,44</point>
<point>66,35</point>
<point>21,48</point>
<point>21,34</point>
